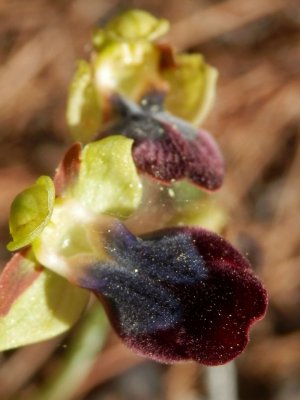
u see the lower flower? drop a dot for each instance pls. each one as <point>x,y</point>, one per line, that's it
<point>176,294</point>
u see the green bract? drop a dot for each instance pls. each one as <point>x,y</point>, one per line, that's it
<point>42,304</point>
<point>108,182</point>
<point>30,212</point>
<point>195,81</point>
<point>83,108</point>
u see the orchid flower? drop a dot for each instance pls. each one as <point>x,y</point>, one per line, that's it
<point>129,61</point>
<point>166,147</point>
<point>177,294</point>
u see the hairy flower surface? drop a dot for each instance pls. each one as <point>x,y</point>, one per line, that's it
<point>179,294</point>
<point>166,147</point>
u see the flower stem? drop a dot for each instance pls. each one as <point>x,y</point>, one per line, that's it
<point>222,382</point>
<point>80,358</point>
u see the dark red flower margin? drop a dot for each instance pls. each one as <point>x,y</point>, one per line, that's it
<point>178,294</point>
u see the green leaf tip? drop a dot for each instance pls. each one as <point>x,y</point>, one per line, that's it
<point>108,182</point>
<point>131,25</point>
<point>30,212</point>
<point>83,108</point>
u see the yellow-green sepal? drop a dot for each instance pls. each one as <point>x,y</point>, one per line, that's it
<point>131,25</point>
<point>108,182</point>
<point>127,68</point>
<point>207,214</point>
<point>196,82</point>
<point>40,305</point>
<point>106,185</point>
<point>84,113</point>
<point>136,24</point>
<point>66,245</point>
<point>194,207</point>
<point>30,212</point>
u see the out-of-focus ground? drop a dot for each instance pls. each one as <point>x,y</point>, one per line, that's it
<point>256,120</point>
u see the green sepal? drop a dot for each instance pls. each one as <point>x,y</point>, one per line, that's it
<point>105,185</point>
<point>30,212</point>
<point>194,207</point>
<point>41,304</point>
<point>208,215</point>
<point>128,68</point>
<point>108,182</point>
<point>83,107</point>
<point>135,25</point>
<point>66,244</point>
<point>196,82</point>
<point>131,25</point>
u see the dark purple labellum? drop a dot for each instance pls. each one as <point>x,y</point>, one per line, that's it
<point>173,157</point>
<point>178,294</point>
<point>166,147</point>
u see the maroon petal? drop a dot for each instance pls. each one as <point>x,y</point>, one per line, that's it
<point>166,147</point>
<point>172,156</point>
<point>178,294</point>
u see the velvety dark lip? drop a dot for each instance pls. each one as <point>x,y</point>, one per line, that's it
<point>178,294</point>
<point>167,148</point>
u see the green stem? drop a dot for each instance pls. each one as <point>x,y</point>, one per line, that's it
<point>80,358</point>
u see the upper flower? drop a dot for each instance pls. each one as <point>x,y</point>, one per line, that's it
<point>166,147</point>
<point>129,61</point>
<point>128,68</point>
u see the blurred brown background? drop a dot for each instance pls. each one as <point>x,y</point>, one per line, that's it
<point>256,120</point>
